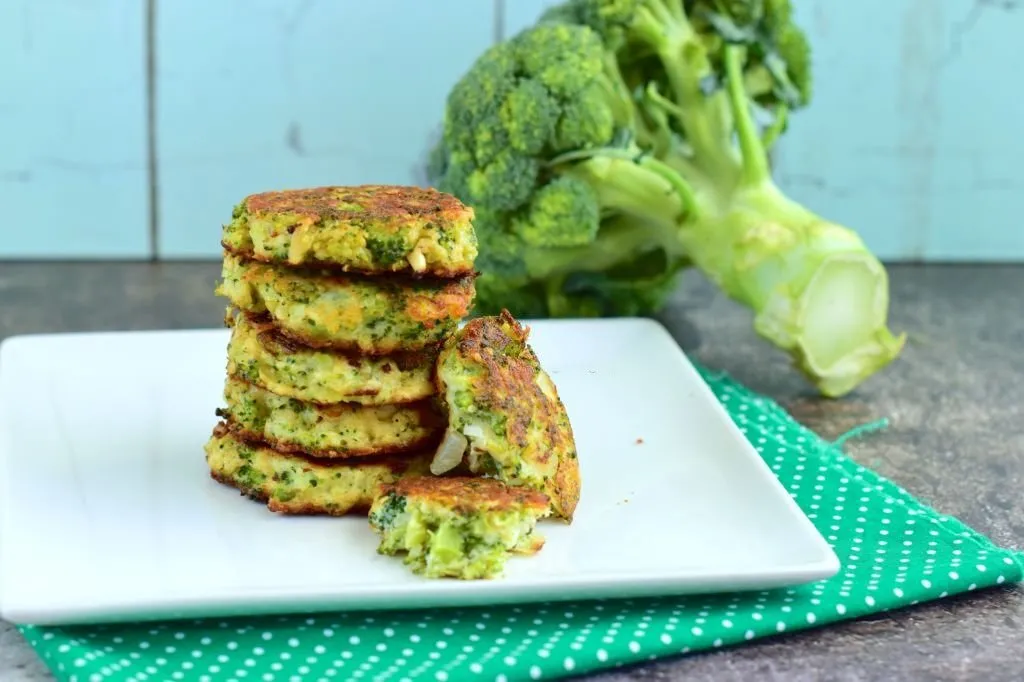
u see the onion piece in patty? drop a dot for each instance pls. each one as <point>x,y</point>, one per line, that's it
<point>449,452</point>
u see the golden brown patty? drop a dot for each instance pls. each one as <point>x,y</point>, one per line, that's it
<point>463,494</point>
<point>298,485</point>
<point>374,316</point>
<point>369,229</point>
<point>264,357</point>
<point>333,431</point>
<point>505,404</point>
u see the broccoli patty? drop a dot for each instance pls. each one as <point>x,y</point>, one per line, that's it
<point>298,485</point>
<point>332,431</point>
<point>500,398</point>
<point>369,229</point>
<point>264,357</point>
<point>374,316</point>
<point>457,527</point>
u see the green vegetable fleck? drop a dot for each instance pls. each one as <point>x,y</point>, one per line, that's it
<point>386,251</point>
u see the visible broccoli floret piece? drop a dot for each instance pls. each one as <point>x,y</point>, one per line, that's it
<point>386,251</point>
<point>503,116</point>
<point>614,143</point>
<point>249,477</point>
<point>501,249</point>
<point>564,212</point>
<point>563,59</point>
<point>584,122</point>
<point>529,115</point>
<point>389,510</point>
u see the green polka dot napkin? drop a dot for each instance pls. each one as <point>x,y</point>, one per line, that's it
<point>894,551</point>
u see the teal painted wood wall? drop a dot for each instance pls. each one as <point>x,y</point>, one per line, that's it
<point>129,128</point>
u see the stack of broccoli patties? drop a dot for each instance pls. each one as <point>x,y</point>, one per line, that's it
<point>340,299</point>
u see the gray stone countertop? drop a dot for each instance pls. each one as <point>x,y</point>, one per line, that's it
<point>955,401</point>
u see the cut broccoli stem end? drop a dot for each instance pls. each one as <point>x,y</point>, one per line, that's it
<point>840,336</point>
<point>816,290</point>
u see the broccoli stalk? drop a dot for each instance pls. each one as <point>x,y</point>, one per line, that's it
<point>593,189</point>
<point>663,26</point>
<point>815,288</point>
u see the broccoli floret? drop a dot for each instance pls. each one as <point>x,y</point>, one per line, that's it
<point>564,59</point>
<point>585,121</point>
<point>506,183</point>
<point>613,144</point>
<point>529,116</point>
<point>503,116</point>
<point>501,249</point>
<point>615,20</point>
<point>564,212</point>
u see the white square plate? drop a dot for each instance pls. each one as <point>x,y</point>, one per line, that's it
<point>109,513</point>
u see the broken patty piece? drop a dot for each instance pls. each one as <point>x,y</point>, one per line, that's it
<point>505,412</point>
<point>457,527</point>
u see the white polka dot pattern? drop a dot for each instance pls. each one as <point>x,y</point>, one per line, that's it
<point>894,552</point>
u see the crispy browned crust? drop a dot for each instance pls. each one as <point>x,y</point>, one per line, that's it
<point>278,343</point>
<point>466,494</point>
<point>384,205</point>
<point>447,305</point>
<point>289,508</point>
<point>508,385</point>
<point>498,345</point>
<point>344,348</point>
<point>536,544</point>
<point>450,303</point>
<point>397,464</point>
<point>331,273</point>
<point>253,438</point>
<point>339,269</point>
<point>567,477</point>
<point>427,442</point>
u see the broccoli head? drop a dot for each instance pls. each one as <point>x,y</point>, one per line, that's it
<point>614,144</point>
<point>523,100</point>
<point>540,139</point>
